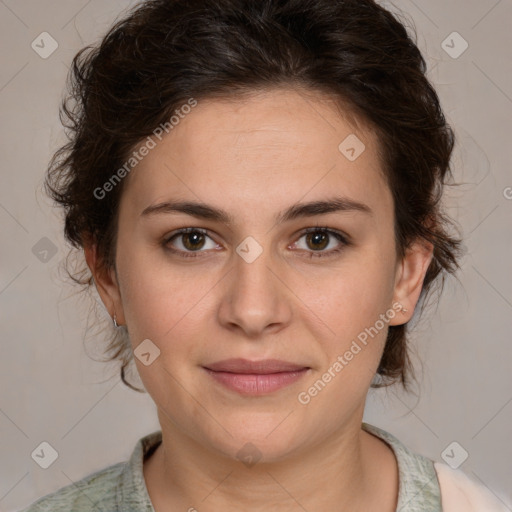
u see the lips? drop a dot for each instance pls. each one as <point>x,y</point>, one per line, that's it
<point>263,367</point>
<point>255,378</point>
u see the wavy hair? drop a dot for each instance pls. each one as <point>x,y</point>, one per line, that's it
<point>163,52</point>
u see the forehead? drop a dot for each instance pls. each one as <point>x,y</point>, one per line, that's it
<point>264,151</point>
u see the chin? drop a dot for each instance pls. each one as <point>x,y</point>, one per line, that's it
<point>264,437</point>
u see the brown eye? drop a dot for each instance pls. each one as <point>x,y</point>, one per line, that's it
<point>318,239</point>
<point>193,240</point>
<point>188,240</point>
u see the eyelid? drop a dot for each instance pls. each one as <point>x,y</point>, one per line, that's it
<point>346,238</point>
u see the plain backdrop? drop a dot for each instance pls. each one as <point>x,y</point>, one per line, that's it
<point>51,389</point>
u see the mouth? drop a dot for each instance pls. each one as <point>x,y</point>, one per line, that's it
<point>255,377</point>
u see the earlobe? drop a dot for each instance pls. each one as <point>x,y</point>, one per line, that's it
<point>409,278</point>
<point>106,283</point>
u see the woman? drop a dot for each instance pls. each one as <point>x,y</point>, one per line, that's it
<point>255,186</point>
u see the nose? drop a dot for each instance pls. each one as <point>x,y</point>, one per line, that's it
<point>256,299</point>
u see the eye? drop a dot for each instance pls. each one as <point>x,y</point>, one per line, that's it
<point>318,239</point>
<point>187,241</point>
<point>190,239</point>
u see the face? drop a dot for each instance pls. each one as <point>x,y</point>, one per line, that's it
<point>261,273</point>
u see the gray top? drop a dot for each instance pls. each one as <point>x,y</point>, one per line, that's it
<point>121,487</point>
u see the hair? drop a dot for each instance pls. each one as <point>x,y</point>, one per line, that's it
<point>162,53</point>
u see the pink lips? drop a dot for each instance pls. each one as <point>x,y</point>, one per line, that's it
<point>255,377</point>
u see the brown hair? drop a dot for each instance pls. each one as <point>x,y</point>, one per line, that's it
<point>163,52</point>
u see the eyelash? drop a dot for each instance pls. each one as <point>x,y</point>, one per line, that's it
<point>312,254</point>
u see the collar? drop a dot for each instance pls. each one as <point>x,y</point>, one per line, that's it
<point>418,486</point>
<point>418,489</point>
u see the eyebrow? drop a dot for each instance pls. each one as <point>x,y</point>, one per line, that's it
<point>299,210</point>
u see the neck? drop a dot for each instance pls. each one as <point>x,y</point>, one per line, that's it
<point>352,469</point>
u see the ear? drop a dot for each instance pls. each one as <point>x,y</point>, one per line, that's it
<point>409,278</point>
<point>106,283</point>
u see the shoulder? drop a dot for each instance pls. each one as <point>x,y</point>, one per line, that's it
<point>435,486</point>
<point>117,487</point>
<point>95,492</point>
<point>459,493</point>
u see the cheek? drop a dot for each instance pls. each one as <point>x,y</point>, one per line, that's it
<point>153,300</point>
<point>162,301</point>
<point>350,297</point>
<point>352,330</point>
<point>355,312</point>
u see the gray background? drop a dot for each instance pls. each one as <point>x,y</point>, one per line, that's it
<point>51,389</point>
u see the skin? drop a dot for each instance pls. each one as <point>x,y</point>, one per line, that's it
<point>254,158</point>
